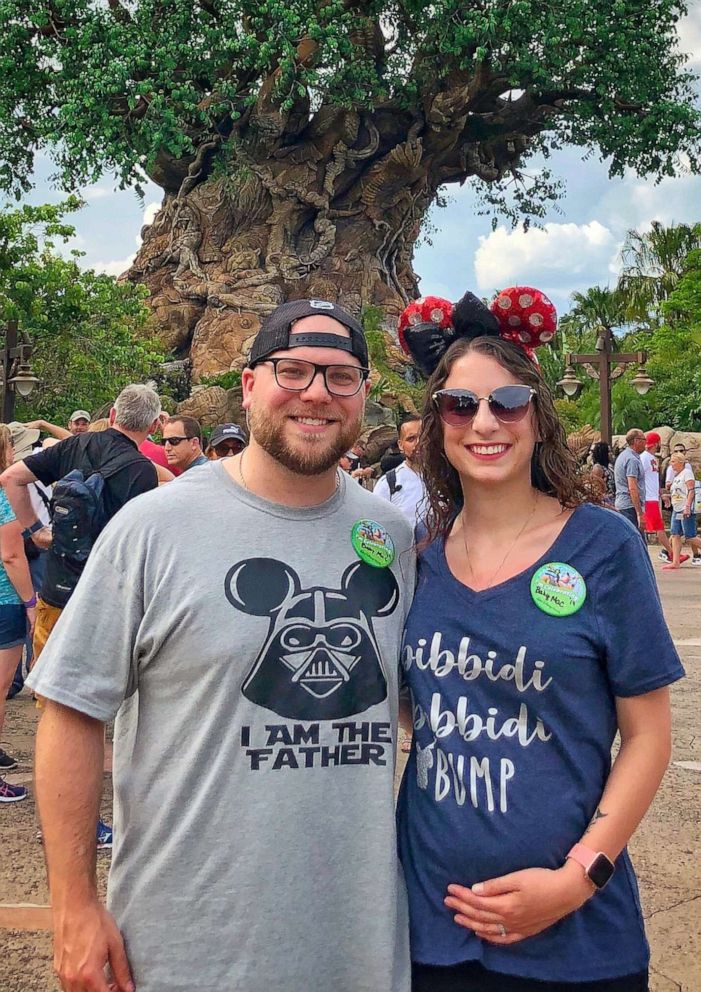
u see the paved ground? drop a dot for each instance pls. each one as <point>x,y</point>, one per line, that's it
<point>666,849</point>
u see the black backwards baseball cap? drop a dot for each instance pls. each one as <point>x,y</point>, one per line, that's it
<point>277,333</point>
<point>227,432</point>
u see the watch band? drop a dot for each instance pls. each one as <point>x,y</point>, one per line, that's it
<point>597,866</point>
<point>32,529</point>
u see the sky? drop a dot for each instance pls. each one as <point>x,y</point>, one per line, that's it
<point>578,245</point>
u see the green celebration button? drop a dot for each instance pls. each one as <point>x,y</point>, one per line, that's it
<point>558,589</point>
<point>372,543</point>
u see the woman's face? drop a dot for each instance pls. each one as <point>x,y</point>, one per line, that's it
<point>487,451</point>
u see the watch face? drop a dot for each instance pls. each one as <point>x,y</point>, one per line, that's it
<point>600,871</point>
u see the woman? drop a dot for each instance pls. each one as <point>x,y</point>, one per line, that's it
<point>603,473</point>
<point>682,492</point>
<point>17,608</point>
<point>536,633</point>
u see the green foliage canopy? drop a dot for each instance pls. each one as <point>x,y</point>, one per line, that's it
<point>90,333</point>
<point>165,86</point>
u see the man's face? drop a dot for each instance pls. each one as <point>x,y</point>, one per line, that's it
<point>180,449</point>
<point>679,450</point>
<point>638,444</point>
<point>306,430</point>
<point>78,426</point>
<point>409,434</point>
<point>225,449</point>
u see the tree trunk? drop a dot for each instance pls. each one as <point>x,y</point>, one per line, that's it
<point>333,219</point>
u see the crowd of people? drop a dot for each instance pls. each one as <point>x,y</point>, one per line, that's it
<point>249,627</point>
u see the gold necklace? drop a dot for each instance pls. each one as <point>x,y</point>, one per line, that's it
<point>510,549</point>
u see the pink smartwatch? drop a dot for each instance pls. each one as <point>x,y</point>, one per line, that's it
<point>597,867</point>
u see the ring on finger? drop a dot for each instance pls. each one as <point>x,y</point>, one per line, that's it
<point>502,930</point>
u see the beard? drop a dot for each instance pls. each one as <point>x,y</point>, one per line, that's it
<point>309,455</point>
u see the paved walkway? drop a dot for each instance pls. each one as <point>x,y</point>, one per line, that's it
<point>666,849</point>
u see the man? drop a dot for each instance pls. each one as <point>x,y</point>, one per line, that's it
<point>630,479</point>
<point>78,423</point>
<point>654,524</point>
<point>251,649</point>
<point>226,440</point>
<point>182,439</point>
<point>404,485</point>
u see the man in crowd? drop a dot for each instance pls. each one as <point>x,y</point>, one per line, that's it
<point>78,424</point>
<point>630,479</point>
<point>127,473</point>
<point>404,485</point>
<point>254,667</point>
<point>654,524</point>
<point>226,440</point>
<point>182,439</point>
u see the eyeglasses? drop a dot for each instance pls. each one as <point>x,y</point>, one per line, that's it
<point>458,407</point>
<point>175,441</point>
<point>297,375</point>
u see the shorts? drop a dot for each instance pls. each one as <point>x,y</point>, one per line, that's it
<point>653,516</point>
<point>47,617</point>
<point>473,977</point>
<point>683,525</point>
<point>13,625</point>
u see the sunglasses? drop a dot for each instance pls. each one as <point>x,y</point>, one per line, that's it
<point>174,441</point>
<point>458,407</point>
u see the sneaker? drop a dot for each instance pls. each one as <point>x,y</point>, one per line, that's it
<point>7,762</point>
<point>696,560</point>
<point>663,556</point>
<point>11,793</point>
<point>104,836</point>
<point>683,558</point>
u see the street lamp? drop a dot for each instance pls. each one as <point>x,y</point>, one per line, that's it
<point>606,365</point>
<point>17,375</point>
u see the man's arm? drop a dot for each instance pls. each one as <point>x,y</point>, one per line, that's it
<point>53,429</point>
<point>15,481</point>
<point>86,937</point>
<point>634,496</point>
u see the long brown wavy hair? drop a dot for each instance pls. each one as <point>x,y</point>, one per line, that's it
<point>5,439</point>
<point>554,469</point>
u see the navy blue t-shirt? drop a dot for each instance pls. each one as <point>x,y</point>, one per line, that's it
<point>514,717</point>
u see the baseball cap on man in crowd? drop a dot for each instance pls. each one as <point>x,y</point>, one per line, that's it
<point>80,415</point>
<point>653,439</point>
<point>23,439</point>
<point>227,432</point>
<point>277,331</point>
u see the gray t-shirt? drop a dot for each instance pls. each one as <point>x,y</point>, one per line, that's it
<point>628,464</point>
<point>253,659</point>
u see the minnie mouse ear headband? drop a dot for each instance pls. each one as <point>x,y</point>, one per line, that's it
<point>520,314</point>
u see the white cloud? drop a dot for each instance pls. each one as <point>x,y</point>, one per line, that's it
<point>90,193</point>
<point>115,268</point>
<point>689,30</point>
<point>557,256</point>
<point>151,211</point>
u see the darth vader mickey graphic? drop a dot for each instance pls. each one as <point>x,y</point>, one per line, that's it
<point>320,659</point>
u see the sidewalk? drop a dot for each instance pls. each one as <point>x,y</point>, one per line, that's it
<point>665,850</point>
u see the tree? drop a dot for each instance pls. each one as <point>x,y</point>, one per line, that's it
<point>90,333</point>
<point>653,263</point>
<point>300,144</point>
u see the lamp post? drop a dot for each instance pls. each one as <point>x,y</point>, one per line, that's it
<point>17,375</point>
<point>606,365</point>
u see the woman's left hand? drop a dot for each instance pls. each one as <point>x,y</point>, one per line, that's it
<point>522,903</point>
<point>31,612</point>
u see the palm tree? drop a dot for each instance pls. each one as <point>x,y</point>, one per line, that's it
<point>653,263</point>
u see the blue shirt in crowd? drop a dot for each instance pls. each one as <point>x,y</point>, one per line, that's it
<point>514,718</point>
<point>8,594</point>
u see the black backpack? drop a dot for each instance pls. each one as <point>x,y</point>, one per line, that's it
<point>31,551</point>
<point>78,511</point>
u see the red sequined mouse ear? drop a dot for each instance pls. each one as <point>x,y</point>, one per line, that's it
<point>526,316</point>
<point>426,310</point>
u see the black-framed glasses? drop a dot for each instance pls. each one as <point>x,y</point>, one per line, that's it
<point>458,407</point>
<point>175,441</point>
<point>297,375</point>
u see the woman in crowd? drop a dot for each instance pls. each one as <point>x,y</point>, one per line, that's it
<point>17,608</point>
<point>535,635</point>
<point>603,473</point>
<point>682,491</point>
